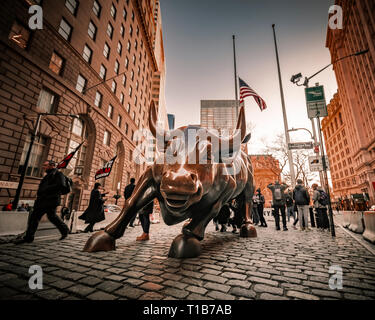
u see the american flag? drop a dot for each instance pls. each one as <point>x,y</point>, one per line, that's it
<point>246,91</point>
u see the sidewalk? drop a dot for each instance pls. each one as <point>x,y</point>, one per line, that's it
<point>275,265</point>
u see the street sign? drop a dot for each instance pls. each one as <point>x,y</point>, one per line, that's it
<point>300,145</point>
<point>8,185</point>
<point>316,102</point>
<point>316,163</point>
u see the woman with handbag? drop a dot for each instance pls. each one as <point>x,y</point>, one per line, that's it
<point>95,211</point>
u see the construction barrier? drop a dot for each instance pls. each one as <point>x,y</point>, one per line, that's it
<point>369,220</point>
<point>346,218</point>
<point>356,222</point>
<point>13,222</point>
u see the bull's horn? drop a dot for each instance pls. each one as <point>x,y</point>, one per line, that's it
<point>240,130</point>
<point>152,121</point>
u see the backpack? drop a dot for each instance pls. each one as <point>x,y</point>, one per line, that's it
<point>323,198</point>
<point>68,185</point>
<point>278,195</point>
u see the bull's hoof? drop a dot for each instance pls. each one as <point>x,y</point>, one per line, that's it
<point>100,241</point>
<point>184,246</point>
<point>248,231</point>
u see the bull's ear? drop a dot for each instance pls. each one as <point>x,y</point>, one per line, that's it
<point>152,118</point>
<point>241,123</point>
<point>247,138</point>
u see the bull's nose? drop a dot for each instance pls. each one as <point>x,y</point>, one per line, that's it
<point>179,182</point>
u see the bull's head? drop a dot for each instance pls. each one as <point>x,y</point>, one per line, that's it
<point>196,161</point>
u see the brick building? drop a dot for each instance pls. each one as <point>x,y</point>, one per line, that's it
<point>56,70</point>
<point>266,170</point>
<point>356,90</point>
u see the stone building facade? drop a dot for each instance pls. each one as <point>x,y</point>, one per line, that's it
<point>356,89</point>
<point>95,59</point>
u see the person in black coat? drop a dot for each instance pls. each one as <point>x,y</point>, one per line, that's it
<point>127,194</point>
<point>144,217</point>
<point>48,199</point>
<point>95,211</point>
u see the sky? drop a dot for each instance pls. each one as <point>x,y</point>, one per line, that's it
<point>198,46</point>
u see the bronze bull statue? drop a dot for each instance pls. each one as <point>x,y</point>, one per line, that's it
<point>187,189</point>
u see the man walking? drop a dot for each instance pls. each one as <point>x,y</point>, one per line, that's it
<point>302,200</point>
<point>48,199</point>
<point>278,200</point>
<point>289,205</point>
<point>259,198</point>
<point>320,199</point>
<point>127,194</point>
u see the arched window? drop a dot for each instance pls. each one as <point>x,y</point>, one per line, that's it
<point>78,134</point>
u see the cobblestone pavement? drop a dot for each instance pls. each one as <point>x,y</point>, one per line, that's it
<point>276,265</point>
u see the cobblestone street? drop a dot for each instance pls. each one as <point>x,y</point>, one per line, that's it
<point>276,265</point>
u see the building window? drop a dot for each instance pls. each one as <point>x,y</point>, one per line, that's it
<point>92,30</point>
<point>132,15</point>
<point>110,111</point>
<point>46,101</point>
<point>119,48</point>
<point>134,59</point>
<point>107,138</point>
<point>128,107</point>
<point>98,99</point>
<point>106,50</point>
<point>114,86</point>
<point>133,115</point>
<point>65,29</point>
<point>87,53</point>
<point>124,80</point>
<point>130,91</point>
<point>126,62</point>
<point>135,44</point>
<point>97,8</point>
<point>138,123</point>
<point>119,120</point>
<point>128,46</point>
<point>136,85</point>
<point>122,30</point>
<point>117,67</point>
<point>109,30</point>
<point>102,72</point>
<point>122,98</point>
<point>72,6</point>
<point>81,83</point>
<point>113,12</point>
<point>19,35</point>
<point>131,31</point>
<point>137,31</point>
<point>56,63</point>
<point>38,155</point>
<point>135,101</point>
<point>126,128</point>
<point>124,14</point>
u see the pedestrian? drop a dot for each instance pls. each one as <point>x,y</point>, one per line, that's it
<point>127,194</point>
<point>237,206</point>
<point>144,217</point>
<point>22,207</point>
<point>302,200</point>
<point>254,211</point>
<point>321,208</point>
<point>95,211</point>
<point>278,200</point>
<point>259,198</point>
<point>47,201</point>
<point>8,207</point>
<point>290,205</point>
<point>223,217</point>
<point>27,207</point>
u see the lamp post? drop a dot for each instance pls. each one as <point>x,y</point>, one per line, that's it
<point>295,79</point>
<point>24,168</point>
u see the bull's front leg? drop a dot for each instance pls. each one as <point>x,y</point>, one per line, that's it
<point>144,192</point>
<point>247,229</point>
<point>187,244</point>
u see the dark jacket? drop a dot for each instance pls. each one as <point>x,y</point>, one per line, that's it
<point>129,190</point>
<point>301,196</point>
<point>95,211</point>
<point>289,200</point>
<point>282,187</point>
<point>49,191</point>
<point>259,198</point>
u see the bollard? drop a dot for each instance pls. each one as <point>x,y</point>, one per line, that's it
<point>369,220</point>
<point>346,218</point>
<point>356,222</point>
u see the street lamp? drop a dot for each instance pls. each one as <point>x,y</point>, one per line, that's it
<point>33,135</point>
<point>296,129</point>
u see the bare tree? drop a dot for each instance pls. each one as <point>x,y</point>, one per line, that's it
<point>279,150</point>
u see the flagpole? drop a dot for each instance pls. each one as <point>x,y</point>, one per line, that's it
<point>235,75</point>
<point>290,156</point>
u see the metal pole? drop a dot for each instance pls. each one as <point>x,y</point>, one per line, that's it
<point>235,75</point>
<point>326,180</point>
<point>316,142</point>
<point>290,156</point>
<point>23,172</point>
